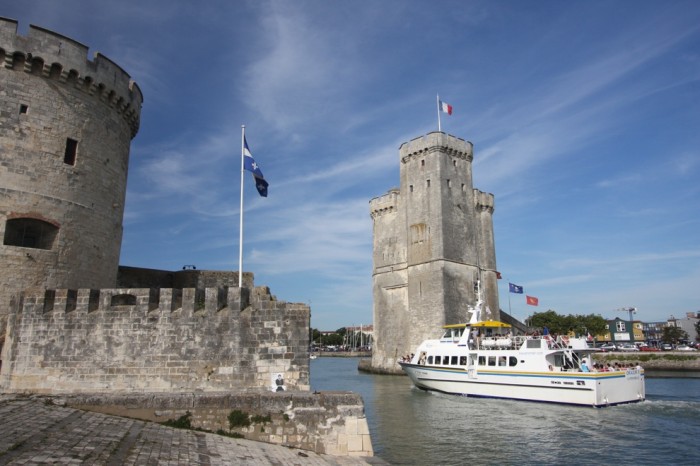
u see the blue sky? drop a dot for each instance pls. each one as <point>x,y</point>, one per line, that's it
<point>584,115</point>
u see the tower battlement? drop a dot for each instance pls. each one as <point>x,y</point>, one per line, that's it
<point>152,301</point>
<point>56,57</point>
<point>384,204</point>
<point>437,142</point>
<point>483,201</point>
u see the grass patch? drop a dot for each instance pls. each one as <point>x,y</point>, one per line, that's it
<point>229,434</point>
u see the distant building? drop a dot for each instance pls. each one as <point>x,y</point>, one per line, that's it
<point>623,331</point>
<point>687,323</point>
<point>653,331</point>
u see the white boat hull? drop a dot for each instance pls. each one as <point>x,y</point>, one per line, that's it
<point>574,388</point>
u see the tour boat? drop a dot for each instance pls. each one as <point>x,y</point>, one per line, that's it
<point>484,359</point>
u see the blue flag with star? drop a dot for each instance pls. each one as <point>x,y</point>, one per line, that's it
<point>515,288</point>
<point>251,165</point>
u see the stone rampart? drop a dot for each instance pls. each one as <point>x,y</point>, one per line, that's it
<point>331,423</point>
<point>154,340</point>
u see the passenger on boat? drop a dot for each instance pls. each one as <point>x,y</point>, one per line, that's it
<point>474,339</point>
<point>584,366</point>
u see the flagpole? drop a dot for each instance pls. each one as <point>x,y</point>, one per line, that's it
<point>509,311</point>
<point>438,112</point>
<point>240,234</point>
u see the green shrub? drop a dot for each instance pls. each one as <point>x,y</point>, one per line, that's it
<point>264,419</point>
<point>237,418</point>
<point>183,422</point>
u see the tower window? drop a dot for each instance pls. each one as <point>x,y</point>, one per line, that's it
<point>71,151</point>
<point>422,163</point>
<point>30,233</point>
<point>410,188</point>
<point>428,183</point>
<point>449,183</point>
<point>23,109</point>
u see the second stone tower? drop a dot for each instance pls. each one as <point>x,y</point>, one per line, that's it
<point>433,240</point>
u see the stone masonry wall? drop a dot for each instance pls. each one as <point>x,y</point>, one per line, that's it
<point>154,340</point>
<point>331,423</point>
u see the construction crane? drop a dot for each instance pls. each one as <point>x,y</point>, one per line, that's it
<point>631,310</point>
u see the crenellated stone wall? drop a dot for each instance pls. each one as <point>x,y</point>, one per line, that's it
<point>154,340</point>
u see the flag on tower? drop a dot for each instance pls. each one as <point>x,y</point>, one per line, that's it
<point>531,300</point>
<point>445,107</point>
<point>515,288</point>
<point>251,165</point>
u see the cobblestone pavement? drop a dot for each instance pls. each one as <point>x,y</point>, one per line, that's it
<point>33,432</point>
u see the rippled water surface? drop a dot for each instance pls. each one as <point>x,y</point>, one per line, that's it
<point>414,427</point>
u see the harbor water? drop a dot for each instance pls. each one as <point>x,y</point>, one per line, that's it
<point>413,427</point>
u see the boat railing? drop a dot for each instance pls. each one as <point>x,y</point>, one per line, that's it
<point>502,342</point>
<point>515,342</point>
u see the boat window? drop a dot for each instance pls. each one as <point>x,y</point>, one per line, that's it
<point>501,360</point>
<point>454,360</point>
<point>482,360</point>
<point>492,360</point>
<point>462,360</point>
<point>559,360</point>
<point>534,343</point>
<point>430,359</point>
<point>512,361</point>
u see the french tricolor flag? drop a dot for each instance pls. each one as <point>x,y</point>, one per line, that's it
<point>445,107</point>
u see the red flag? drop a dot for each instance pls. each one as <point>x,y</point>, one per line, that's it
<point>498,275</point>
<point>531,300</point>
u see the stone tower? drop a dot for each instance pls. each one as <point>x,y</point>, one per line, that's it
<point>433,238</point>
<point>66,125</point>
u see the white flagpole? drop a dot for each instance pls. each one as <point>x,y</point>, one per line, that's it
<point>240,235</point>
<point>438,110</point>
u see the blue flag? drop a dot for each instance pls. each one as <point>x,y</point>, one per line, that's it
<point>251,165</point>
<point>515,288</point>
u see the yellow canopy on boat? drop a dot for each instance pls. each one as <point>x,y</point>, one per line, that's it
<point>454,326</point>
<point>486,323</point>
<point>491,323</point>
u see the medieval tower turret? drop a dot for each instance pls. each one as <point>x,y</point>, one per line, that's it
<point>66,125</point>
<point>433,239</point>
